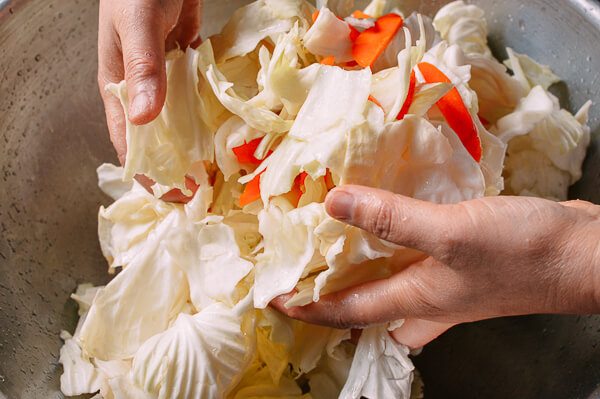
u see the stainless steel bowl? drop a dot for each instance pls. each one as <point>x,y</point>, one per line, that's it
<point>52,137</point>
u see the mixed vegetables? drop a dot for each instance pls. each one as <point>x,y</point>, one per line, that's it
<point>261,121</point>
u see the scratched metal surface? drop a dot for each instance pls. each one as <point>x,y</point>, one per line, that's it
<point>52,137</point>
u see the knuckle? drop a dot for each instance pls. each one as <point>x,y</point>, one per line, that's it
<point>142,65</point>
<point>382,221</point>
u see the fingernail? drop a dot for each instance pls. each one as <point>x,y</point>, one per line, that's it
<point>139,105</point>
<point>340,205</point>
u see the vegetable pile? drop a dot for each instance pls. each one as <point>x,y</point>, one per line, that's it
<point>260,122</point>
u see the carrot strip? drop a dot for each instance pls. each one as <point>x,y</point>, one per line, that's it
<point>315,15</point>
<point>370,43</point>
<point>410,96</point>
<point>329,180</point>
<point>455,111</point>
<point>375,101</point>
<point>358,14</point>
<point>245,152</point>
<point>251,191</point>
<point>329,60</point>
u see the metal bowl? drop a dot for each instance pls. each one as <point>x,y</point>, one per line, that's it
<point>53,135</point>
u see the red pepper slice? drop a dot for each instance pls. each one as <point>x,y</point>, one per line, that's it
<point>455,111</point>
<point>410,96</point>
<point>370,43</point>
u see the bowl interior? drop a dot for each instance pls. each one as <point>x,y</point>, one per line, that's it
<point>53,136</point>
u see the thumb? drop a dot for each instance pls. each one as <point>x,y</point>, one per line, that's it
<point>416,333</point>
<point>143,43</point>
<point>402,220</point>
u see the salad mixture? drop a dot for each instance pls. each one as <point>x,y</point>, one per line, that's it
<point>260,122</point>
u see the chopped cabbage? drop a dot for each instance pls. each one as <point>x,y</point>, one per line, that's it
<point>528,72</point>
<point>165,149</point>
<point>546,146</point>
<point>187,315</point>
<point>329,36</point>
<point>464,25</point>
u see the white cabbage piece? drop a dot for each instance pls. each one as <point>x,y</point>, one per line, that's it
<point>200,356</point>
<point>257,21</point>
<point>376,8</point>
<point>257,117</point>
<point>454,64</point>
<point>348,252</point>
<point>257,383</point>
<point>289,247</point>
<point>390,86</point>
<point>165,149</point>
<point>226,194</point>
<point>380,368</point>
<point>329,36</point>
<point>79,376</point>
<point>334,105</point>
<point>546,146</point>
<point>528,72</point>
<point>464,25</point>
<point>434,165</point>
<point>341,8</point>
<point>123,388</point>
<point>498,92</point>
<point>84,296</point>
<point>327,379</point>
<point>210,257</point>
<point>283,81</point>
<point>242,72</point>
<point>110,181</point>
<point>124,227</point>
<point>450,59</point>
<point>138,303</point>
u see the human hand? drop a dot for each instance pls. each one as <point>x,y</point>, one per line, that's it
<point>490,257</point>
<point>133,37</point>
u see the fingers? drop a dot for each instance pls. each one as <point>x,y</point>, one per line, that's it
<point>142,31</point>
<point>405,221</point>
<point>110,69</point>
<point>416,333</point>
<point>424,290</point>
<point>186,32</point>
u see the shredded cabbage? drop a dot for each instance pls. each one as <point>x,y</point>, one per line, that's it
<point>266,131</point>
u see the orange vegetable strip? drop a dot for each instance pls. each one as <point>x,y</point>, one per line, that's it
<point>329,180</point>
<point>251,191</point>
<point>315,15</point>
<point>374,100</point>
<point>455,111</point>
<point>245,152</point>
<point>329,60</point>
<point>410,96</point>
<point>370,43</point>
<point>358,14</point>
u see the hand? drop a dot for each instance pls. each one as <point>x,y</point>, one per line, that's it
<point>132,40</point>
<point>490,257</point>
